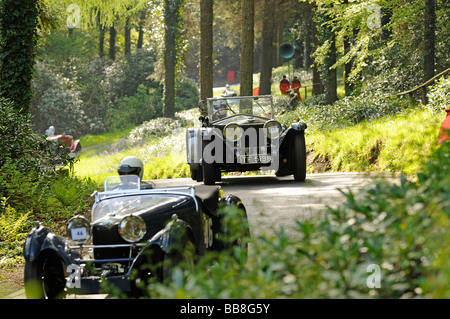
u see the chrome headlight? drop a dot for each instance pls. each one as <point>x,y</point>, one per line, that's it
<point>79,229</point>
<point>132,228</point>
<point>233,132</point>
<point>272,129</point>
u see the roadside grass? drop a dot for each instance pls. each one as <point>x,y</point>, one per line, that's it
<point>109,137</point>
<point>397,143</point>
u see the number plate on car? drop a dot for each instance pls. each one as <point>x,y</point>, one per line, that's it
<point>255,159</point>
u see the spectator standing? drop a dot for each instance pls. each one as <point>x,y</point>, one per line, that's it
<point>296,85</point>
<point>284,85</point>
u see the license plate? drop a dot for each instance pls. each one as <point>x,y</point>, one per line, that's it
<point>255,159</point>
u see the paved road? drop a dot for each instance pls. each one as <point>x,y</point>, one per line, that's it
<point>273,202</point>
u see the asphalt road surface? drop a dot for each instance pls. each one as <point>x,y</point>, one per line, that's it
<point>274,202</point>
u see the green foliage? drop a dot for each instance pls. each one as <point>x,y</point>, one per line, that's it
<point>18,25</point>
<point>346,112</point>
<point>13,226</point>
<point>399,229</point>
<point>135,109</point>
<point>396,144</point>
<point>187,95</point>
<point>29,151</point>
<point>81,95</point>
<point>439,95</point>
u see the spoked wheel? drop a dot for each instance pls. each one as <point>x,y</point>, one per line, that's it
<point>45,278</point>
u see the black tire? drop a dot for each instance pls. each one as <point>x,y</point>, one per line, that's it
<point>45,278</point>
<point>78,149</point>
<point>299,157</point>
<point>242,228</point>
<point>197,174</point>
<point>209,173</point>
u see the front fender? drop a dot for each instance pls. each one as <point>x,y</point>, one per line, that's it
<point>40,239</point>
<point>74,145</point>
<point>168,238</point>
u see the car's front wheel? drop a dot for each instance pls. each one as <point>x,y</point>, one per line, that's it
<point>299,157</point>
<point>45,278</point>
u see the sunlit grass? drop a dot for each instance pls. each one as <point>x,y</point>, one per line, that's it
<point>395,144</point>
<point>110,137</point>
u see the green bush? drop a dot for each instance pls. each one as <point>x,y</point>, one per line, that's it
<point>13,226</point>
<point>346,112</point>
<point>439,95</point>
<point>29,151</point>
<point>187,95</point>
<point>135,109</point>
<point>387,241</point>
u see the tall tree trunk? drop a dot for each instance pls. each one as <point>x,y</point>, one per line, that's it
<point>101,38</point>
<point>348,65</point>
<point>247,47</point>
<point>127,36</point>
<point>317,81</point>
<point>112,42</point>
<point>429,43</point>
<point>308,35</point>
<point>331,81</point>
<point>140,41</point>
<point>266,60</point>
<point>206,49</point>
<point>172,22</point>
<point>18,25</point>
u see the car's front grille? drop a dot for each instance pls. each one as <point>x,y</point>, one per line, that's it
<point>109,236</point>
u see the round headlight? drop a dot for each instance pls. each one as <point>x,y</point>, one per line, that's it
<point>79,229</point>
<point>132,228</point>
<point>233,132</point>
<point>272,129</point>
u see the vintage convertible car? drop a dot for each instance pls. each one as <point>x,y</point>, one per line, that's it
<point>242,134</point>
<point>133,234</point>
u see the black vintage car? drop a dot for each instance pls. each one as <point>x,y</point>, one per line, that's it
<point>133,234</point>
<point>242,134</point>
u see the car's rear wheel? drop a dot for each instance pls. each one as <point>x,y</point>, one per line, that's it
<point>209,173</point>
<point>299,157</point>
<point>45,277</point>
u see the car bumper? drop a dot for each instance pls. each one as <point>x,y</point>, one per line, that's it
<point>96,285</point>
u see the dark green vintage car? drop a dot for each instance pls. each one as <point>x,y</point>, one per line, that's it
<point>241,134</point>
<point>132,235</point>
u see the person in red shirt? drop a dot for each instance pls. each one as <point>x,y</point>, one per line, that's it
<point>284,85</point>
<point>296,87</point>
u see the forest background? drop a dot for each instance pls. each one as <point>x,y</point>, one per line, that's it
<point>95,67</point>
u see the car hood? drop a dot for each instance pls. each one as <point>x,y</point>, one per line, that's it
<point>241,119</point>
<point>112,209</point>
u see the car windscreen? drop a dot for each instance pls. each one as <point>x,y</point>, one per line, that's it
<point>131,204</point>
<point>222,107</point>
